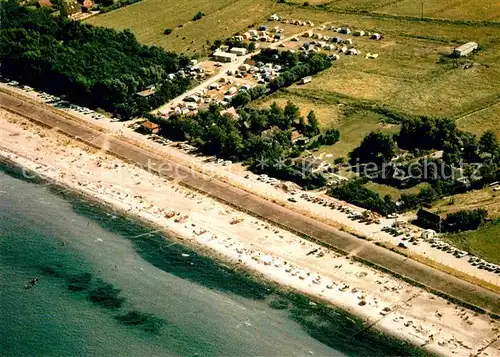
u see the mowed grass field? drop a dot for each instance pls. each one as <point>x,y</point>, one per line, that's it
<point>148,20</point>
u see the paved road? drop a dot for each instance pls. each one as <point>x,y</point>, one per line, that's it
<point>255,205</point>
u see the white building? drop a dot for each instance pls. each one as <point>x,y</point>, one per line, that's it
<point>239,51</point>
<point>220,56</point>
<point>465,49</point>
<point>306,80</point>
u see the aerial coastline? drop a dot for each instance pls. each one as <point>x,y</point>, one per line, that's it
<point>251,244</point>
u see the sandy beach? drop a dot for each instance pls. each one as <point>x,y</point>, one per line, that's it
<point>237,176</point>
<point>383,302</point>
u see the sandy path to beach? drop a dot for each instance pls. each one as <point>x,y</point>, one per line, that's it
<point>389,304</point>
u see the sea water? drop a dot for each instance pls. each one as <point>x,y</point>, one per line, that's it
<point>193,305</point>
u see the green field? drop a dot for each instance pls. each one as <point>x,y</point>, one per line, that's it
<point>484,242</point>
<point>395,193</point>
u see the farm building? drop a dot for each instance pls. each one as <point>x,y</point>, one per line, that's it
<point>224,56</point>
<point>429,219</point>
<point>306,80</point>
<point>376,36</point>
<point>239,51</point>
<point>465,49</point>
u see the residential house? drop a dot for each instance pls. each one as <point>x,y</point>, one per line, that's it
<point>44,3</point>
<point>298,138</point>
<point>230,112</point>
<point>71,7</point>
<point>87,5</point>
<point>149,127</point>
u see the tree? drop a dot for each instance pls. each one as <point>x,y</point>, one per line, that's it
<point>199,15</point>
<point>167,31</point>
<point>376,147</point>
<point>312,127</point>
<point>241,99</point>
<point>465,220</point>
<point>488,143</point>
<point>291,112</point>
<point>330,137</point>
<point>251,47</point>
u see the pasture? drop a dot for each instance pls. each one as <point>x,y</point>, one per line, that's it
<point>148,20</point>
<point>483,242</point>
<point>475,10</point>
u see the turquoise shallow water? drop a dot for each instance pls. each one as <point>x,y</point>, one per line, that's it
<point>205,309</point>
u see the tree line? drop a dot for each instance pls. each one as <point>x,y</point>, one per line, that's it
<point>260,138</point>
<point>467,162</point>
<point>92,66</point>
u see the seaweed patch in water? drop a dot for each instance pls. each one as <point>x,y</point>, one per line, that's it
<point>148,322</point>
<point>105,295</point>
<point>79,282</point>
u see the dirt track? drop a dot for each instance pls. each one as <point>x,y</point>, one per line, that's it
<point>366,251</point>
